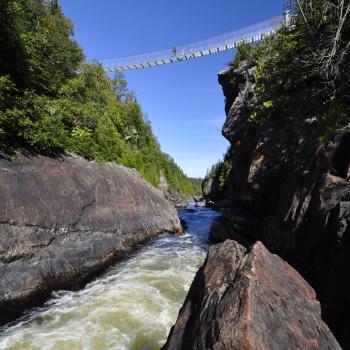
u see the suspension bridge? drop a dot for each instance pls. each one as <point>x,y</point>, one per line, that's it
<point>228,41</point>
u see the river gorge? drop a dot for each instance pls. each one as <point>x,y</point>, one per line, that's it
<point>106,242</point>
<point>131,306</point>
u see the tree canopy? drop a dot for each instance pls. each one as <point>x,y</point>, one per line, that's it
<point>303,71</point>
<point>51,100</point>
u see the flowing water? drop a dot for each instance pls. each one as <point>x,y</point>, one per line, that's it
<point>132,306</point>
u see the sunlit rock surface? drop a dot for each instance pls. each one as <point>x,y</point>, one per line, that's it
<point>249,299</point>
<point>131,306</point>
<point>179,200</point>
<point>291,192</point>
<point>62,220</point>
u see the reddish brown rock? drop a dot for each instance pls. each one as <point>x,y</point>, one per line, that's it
<point>243,299</point>
<point>63,220</point>
<point>294,189</point>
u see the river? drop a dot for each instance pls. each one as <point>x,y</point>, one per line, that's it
<point>132,306</point>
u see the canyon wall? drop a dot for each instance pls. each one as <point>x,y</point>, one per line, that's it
<point>63,220</point>
<point>290,190</point>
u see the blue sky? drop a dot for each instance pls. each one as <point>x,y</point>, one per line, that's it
<point>183,101</point>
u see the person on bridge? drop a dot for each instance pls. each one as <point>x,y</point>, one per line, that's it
<point>174,51</point>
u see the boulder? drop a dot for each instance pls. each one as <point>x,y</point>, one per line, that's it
<point>63,220</point>
<point>249,299</point>
<point>198,199</point>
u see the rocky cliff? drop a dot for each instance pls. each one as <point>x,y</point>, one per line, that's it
<point>214,189</point>
<point>249,299</point>
<point>63,220</point>
<point>290,191</point>
<point>178,199</point>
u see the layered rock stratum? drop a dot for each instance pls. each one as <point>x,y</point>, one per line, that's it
<point>249,299</point>
<point>63,220</point>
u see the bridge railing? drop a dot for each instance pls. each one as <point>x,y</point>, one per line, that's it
<point>222,42</point>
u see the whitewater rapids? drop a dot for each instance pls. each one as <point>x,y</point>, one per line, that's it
<point>130,307</point>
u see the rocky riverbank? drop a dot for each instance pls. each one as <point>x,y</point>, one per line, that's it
<point>179,200</point>
<point>63,220</point>
<point>292,192</point>
<point>249,299</point>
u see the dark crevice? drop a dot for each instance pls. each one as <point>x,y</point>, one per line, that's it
<point>340,166</point>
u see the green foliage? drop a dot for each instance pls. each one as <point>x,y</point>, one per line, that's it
<point>7,90</point>
<point>120,86</point>
<point>332,120</point>
<point>225,172</point>
<point>51,101</point>
<point>37,51</point>
<point>302,72</point>
<point>220,171</point>
<point>196,185</point>
<point>245,52</point>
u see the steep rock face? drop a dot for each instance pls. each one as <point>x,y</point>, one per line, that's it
<point>243,299</point>
<point>211,189</point>
<point>178,199</point>
<point>292,193</point>
<point>63,220</point>
<point>213,194</point>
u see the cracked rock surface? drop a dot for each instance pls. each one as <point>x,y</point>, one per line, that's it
<point>63,220</point>
<point>291,192</point>
<point>249,299</point>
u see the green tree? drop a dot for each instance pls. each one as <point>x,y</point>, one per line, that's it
<point>120,86</point>
<point>51,101</point>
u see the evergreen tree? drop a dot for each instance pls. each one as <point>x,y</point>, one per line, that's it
<point>51,101</point>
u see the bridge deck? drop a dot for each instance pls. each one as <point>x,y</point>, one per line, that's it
<point>216,44</point>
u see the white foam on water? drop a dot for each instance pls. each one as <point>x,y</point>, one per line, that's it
<point>131,307</point>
